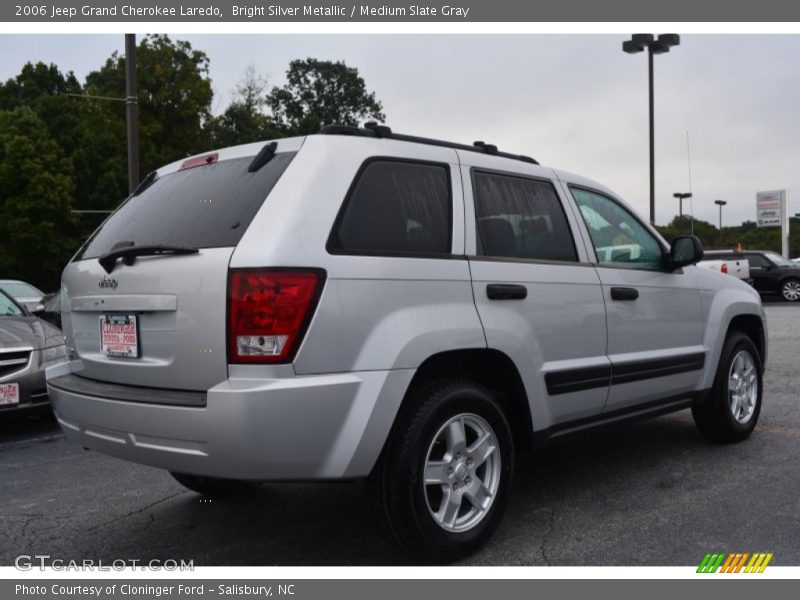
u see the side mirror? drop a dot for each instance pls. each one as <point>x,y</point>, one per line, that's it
<point>685,250</point>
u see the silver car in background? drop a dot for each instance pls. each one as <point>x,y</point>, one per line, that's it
<point>29,296</point>
<point>27,346</point>
<point>365,304</point>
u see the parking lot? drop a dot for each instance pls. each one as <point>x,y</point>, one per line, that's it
<point>652,493</point>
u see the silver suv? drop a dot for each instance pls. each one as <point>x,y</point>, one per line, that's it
<point>365,304</point>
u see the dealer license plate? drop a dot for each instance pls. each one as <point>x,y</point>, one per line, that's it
<point>119,336</point>
<point>9,393</point>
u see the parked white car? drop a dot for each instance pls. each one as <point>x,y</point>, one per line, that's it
<point>739,267</point>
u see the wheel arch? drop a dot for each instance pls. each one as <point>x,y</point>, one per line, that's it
<point>489,368</point>
<point>753,327</point>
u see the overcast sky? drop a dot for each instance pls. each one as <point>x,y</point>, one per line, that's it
<point>575,102</point>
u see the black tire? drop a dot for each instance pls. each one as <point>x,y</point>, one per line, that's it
<point>790,289</point>
<point>714,415</point>
<point>396,485</point>
<point>215,487</point>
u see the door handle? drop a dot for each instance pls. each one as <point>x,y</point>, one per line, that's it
<point>624,293</point>
<point>504,291</point>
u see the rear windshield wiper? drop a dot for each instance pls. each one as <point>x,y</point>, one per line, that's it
<point>128,255</point>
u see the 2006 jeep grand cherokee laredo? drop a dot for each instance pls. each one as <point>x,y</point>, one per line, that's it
<point>365,304</point>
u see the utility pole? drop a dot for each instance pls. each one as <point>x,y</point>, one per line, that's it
<point>132,111</point>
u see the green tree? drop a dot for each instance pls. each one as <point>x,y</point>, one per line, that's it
<point>246,119</point>
<point>320,92</point>
<point>174,98</point>
<point>748,235</point>
<point>43,88</point>
<point>84,129</point>
<point>61,148</point>
<point>36,193</point>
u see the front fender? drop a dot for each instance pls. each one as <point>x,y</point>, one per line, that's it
<point>722,306</point>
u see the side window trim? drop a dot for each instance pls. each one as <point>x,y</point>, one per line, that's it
<point>330,243</point>
<point>645,226</point>
<point>539,179</point>
<point>578,224</point>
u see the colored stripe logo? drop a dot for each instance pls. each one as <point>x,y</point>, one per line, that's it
<point>737,562</point>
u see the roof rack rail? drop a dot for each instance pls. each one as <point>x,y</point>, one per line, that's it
<point>374,130</point>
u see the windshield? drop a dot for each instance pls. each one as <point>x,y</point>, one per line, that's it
<point>9,308</point>
<point>202,207</point>
<point>20,289</point>
<point>779,260</point>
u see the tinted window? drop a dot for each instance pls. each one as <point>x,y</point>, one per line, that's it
<point>618,237</point>
<point>756,260</point>
<point>203,207</point>
<point>777,259</point>
<point>397,207</point>
<point>520,218</point>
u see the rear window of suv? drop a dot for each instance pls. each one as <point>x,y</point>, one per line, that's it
<point>210,206</point>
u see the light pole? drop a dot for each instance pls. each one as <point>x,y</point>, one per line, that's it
<point>681,197</point>
<point>662,44</point>
<point>720,203</point>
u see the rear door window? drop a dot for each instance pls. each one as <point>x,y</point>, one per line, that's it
<point>396,208</point>
<point>209,206</point>
<point>520,218</point>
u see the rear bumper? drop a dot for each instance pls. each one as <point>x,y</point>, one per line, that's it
<point>293,428</point>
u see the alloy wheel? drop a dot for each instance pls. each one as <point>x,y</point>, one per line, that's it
<point>742,386</point>
<point>462,472</point>
<point>791,290</point>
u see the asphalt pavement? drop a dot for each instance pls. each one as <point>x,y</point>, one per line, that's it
<point>651,493</point>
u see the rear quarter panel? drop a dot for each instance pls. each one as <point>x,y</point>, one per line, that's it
<point>376,312</point>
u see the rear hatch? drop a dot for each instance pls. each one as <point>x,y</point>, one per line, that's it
<point>157,317</point>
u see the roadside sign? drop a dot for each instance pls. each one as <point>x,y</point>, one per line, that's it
<point>770,208</point>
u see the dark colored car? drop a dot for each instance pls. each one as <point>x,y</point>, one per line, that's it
<point>27,346</point>
<point>770,272</point>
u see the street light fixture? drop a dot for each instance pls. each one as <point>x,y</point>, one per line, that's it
<point>681,197</point>
<point>638,43</point>
<point>720,203</point>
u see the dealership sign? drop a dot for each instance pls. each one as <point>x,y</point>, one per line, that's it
<point>770,208</point>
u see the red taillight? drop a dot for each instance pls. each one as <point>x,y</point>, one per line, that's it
<point>268,312</point>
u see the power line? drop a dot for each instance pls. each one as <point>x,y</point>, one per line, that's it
<point>91,97</point>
